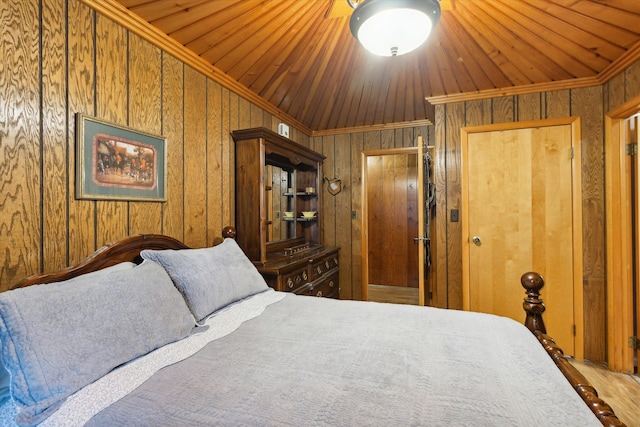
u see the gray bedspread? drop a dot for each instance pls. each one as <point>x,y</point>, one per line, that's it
<point>308,361</point>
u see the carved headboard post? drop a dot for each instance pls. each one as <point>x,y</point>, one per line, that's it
<point>227,232</point>
<point>533,305</point>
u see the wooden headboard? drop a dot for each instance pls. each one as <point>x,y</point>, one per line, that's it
<point>127,249</point>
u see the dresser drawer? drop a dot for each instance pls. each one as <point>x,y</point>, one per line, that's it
<point>323,265</point>
<point>294,280</point>
<point>327,287</point>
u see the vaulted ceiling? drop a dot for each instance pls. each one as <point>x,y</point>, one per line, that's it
<point>300,57</point>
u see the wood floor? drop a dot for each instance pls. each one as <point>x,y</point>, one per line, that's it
<point>393,294</point>
<point>620,391</point>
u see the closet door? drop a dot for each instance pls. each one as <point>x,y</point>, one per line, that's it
<point>519,214</point>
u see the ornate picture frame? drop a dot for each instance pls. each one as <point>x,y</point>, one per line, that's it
<point>115,162</point>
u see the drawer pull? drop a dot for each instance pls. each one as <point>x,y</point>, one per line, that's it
<point>326,264</point>
<point>290,282</point>
<point>319,294</point>
<point>335,260</point>
<point>319,270</point>
<point>331,283</point>
<point>304,275</point>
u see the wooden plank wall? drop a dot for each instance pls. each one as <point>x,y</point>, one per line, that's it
<point>590,104</point>
<point>61,58</point>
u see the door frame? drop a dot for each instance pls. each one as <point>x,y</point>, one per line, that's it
<point>574,122</point>
<point>365,215</point>
<point>619,288</point>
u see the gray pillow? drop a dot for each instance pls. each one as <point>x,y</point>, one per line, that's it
<point>59,337</point>
<point>4,384</point>
<point>4,374</point>
<point>210,278</point>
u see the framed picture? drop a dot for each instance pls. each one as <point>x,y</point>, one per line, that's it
<point>118,163</point>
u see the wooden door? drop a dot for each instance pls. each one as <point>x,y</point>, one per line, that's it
<point>519,214</point>
<point>623,225</point>
<point>391,202</point>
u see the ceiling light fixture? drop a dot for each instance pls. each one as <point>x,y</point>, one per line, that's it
<point>393,27</point>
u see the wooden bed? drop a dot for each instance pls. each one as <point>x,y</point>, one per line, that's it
<point>129,249</point>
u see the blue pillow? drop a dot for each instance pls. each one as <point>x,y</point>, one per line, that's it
<point>210,278</point>
<point>59,337</point>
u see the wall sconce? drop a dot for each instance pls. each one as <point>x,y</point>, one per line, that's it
<point>334,185</point>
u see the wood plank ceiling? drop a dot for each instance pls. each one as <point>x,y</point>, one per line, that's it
<point>300,57</point>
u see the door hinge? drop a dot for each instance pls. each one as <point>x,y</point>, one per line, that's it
<point>575,330</point>
<point>631,149</point>
<point>634,343</point>
<point>573,153</point>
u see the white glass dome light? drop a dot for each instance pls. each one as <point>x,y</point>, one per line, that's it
<point>393,27</point>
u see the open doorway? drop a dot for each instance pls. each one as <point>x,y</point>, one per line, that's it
<point>623,250</point>
<point>396,226</point>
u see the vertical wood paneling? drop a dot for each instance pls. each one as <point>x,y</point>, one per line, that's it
<point>145,96</point>
<point>503,110</point>
<point>228,161</point>
<point>342,203</point>
<point>529,107</point>
<point>244,114</point>
<point>81,99</point>
<point>387,138</point>
<point>372,140</point>
<point>478,112</point>
<point>195,150</point>
<point>115,76</point>
<point>257,117</point>
<point>54,153</point>
<point>215,194</point>
<point>20,228</point>
<point>357,146</point>
<point>632,81</point>
<point>558,104</point>
<point>454,120</point>
<point>614,92</point>
<point>328,202</point>
<point>172,128</point>
<point>111,105</point>
<point>586,103</point>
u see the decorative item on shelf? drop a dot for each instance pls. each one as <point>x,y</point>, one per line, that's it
<point>393,27</point>
<point>309,214</point>
<point>288,214</point>
<point>310,190</point>
<point>335,185</point>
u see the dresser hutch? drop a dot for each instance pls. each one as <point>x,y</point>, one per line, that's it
<point>279,213</point>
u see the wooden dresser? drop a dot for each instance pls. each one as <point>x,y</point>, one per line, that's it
<point>279,213</point>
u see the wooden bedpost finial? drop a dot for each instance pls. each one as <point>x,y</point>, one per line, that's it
<point>533,306</point>
<point>229,231</point>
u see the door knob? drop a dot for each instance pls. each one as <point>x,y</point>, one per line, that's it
<point>476,240</point>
